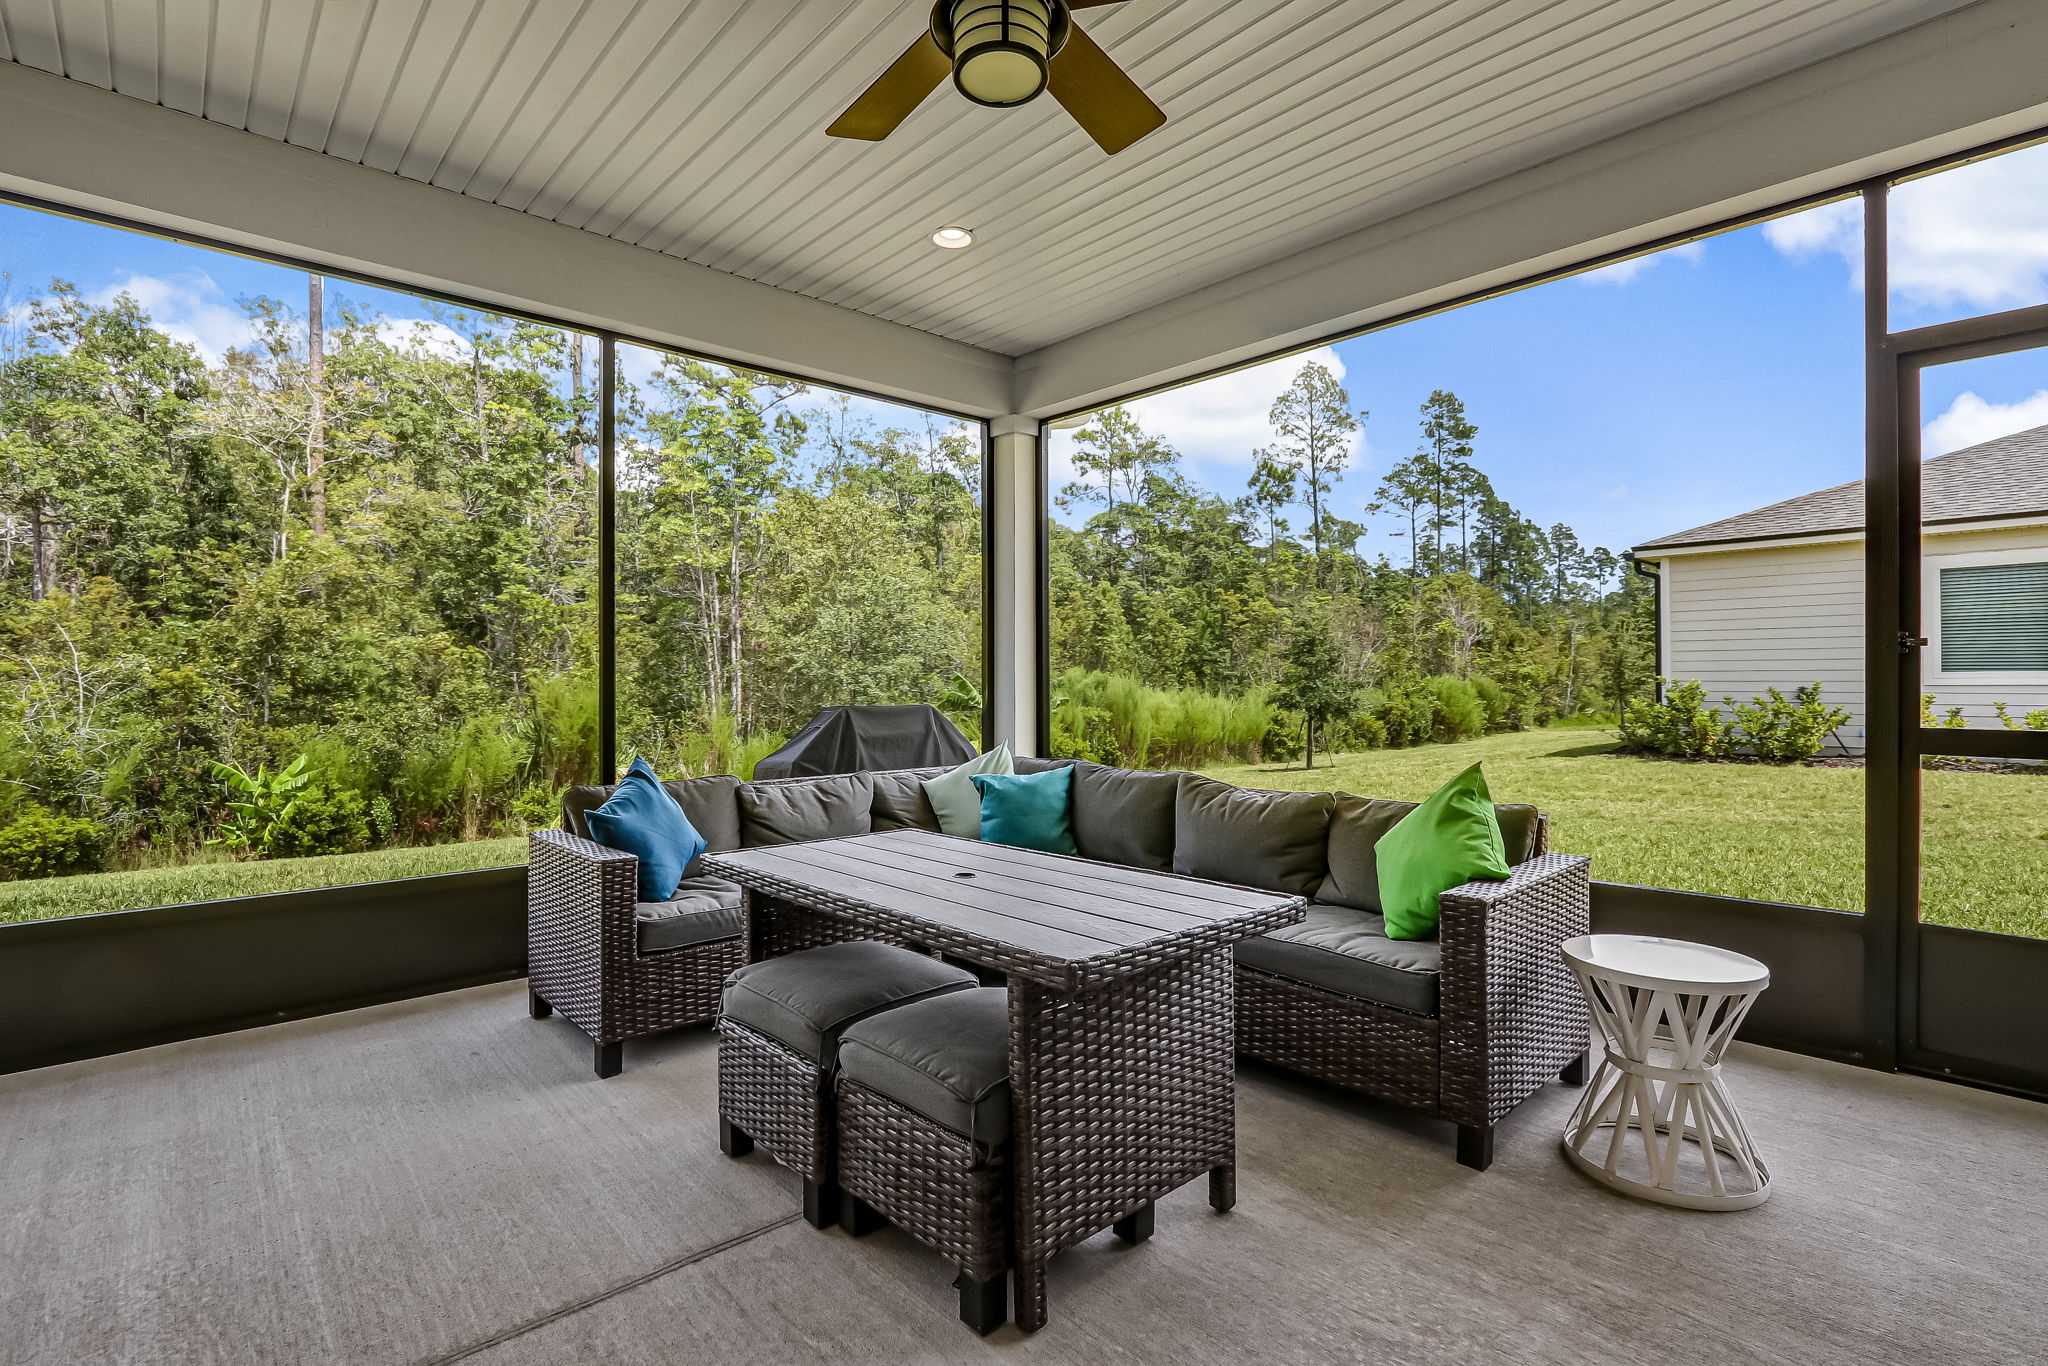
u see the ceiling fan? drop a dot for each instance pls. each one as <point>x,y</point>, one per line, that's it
<point>1003,53</point>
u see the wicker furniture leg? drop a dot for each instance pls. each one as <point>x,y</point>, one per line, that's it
<point>1119,1096</point>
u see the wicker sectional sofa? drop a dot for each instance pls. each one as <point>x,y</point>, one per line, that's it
<point>1463,1027</point>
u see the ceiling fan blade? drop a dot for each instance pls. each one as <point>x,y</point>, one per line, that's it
<point>1102,99</point>
<point>895,93</point>
<point>1091,4</point>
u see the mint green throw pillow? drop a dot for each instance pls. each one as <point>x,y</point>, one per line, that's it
<point>952,795</point>
<point>1028,810</point>
<point>1446,842</point>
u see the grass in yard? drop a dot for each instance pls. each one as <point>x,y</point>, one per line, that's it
<point>1773,833</point>
<point>49,898</point>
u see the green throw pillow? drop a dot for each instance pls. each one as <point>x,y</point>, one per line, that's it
<point>952,795</point>
<point>1028,810</point>
<point>1446,842</point>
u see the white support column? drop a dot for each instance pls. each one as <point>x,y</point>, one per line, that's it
<point>1016,543</point>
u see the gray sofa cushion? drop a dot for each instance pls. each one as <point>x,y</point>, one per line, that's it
<point>1345,950</point>
<point>792,810</point>
<point>805,998</point>
<point>711,803</point>
<point>900,803</point>
<point>1124,816</point>
<point>1025,763</point>
<point>703,909</point>
<point>947,1058</point>
<point>1359,823</point>
<point>1273,840</point>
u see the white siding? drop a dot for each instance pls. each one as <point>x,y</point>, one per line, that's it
<point>1740,621</point>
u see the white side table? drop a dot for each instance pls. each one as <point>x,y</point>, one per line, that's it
<point>1667,1010</point>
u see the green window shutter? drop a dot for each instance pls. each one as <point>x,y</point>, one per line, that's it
<point>1994,617</point>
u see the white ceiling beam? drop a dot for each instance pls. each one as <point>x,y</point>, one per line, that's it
<point>1965,78</point>
<point>85,148</point>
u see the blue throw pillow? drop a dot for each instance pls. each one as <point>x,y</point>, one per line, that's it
<point>641,819</point>
<point>1028,810</point>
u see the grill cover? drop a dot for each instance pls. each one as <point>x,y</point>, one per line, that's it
<point>853,739</point>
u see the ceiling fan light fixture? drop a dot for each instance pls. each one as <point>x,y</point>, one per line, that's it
<point>1001,49</point>
<point>953,238</point>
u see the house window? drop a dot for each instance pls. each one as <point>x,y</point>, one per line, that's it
<point>1994,618</point>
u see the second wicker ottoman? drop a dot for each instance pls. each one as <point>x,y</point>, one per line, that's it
<point>779,1029</point>
<point>924,1123</point>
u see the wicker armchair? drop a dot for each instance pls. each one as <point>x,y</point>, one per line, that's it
<point>584,951</point>
<point>1509,1016</point>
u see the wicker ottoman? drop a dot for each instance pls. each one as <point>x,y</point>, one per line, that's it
<point>924,1123</point>
<point>779,1028</point>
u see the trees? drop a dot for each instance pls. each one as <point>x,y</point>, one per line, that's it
<point>1314,426</point>
<point>1312,681</point>
<point>362,549</point>
<point>1489,616</point>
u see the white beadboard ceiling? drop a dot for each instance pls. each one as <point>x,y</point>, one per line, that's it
<point>695,127</point>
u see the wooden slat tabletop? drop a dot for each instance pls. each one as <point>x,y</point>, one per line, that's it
<point>1057,918</point>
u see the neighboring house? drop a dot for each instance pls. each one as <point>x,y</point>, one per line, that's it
<point>1774,597</point>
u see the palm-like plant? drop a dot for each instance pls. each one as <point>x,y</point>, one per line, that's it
<point>261,803</point>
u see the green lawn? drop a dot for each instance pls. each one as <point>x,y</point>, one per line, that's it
<point>1774,833</point>
<point>47,898</point>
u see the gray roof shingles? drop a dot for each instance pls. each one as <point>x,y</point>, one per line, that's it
<point>2007,477</point>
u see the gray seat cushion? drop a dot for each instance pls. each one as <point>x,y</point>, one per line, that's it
<point>703,909</point>
<point>900,803</point>
<point>711,803</point>
<point>947,1058</point>
<point>1359,823</point>
<point>1026,763</point>
<point>793,810</point>
<point>1272,840</point>
<point>1124,816</point>
<point>1345,950</point>
<point>805,998</point>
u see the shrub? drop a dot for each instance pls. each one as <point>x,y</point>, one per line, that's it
<point>1456,713</point>
<point>2033,720</point>
<point>1683,724</point>
<point>324,820</point>
<point>1492,696</point>
<point>1407,711</point>
<point>1777,728</point>
<point>41,843</point>
<point>536,808</point>
<point>1284,739</point>
<point>258,803</point>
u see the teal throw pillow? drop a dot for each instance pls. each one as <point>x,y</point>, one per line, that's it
<point>1028,810</point>
<point>643,820</point>
<point>1446,842</point>
<point>954,800</point>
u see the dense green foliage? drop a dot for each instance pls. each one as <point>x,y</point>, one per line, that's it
<point>335,591</point>
<point>1684,725</point>
<point>1480,621</point>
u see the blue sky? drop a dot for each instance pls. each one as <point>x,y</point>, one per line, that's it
<point>1633,401</point>
<point>1679,388</point>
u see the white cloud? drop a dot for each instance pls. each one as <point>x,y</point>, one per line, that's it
<point>1971,419</point>
<point>1969,240</point>
<point>188,307</point>
<point>1627,269</point>
<point>1217,424</point>
<point>434,338</point>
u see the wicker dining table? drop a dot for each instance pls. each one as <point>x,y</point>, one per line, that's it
<point>1122,1030</point>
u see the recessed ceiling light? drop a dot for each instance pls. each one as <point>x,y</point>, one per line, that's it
<point>953,238</point>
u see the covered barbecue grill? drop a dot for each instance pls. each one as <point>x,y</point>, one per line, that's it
<point>850,739</point>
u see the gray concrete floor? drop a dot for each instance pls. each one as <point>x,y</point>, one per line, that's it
<point>444,1180</point>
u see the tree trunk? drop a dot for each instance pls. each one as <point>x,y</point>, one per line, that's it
<point>316,384</point>
<point>1309,733</point>
<point>44,564</point>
